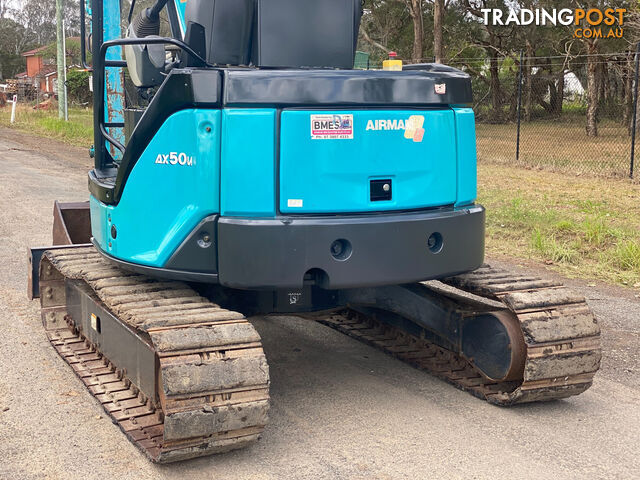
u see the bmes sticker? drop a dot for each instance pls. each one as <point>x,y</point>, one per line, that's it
<point>332,127</point>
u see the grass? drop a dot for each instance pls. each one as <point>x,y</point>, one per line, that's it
<point>582,227</point>
<point>560,145</point>
<point>77,131</point>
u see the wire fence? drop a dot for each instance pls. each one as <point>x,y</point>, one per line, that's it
<point>569,114</point>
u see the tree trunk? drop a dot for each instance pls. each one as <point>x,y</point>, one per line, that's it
<point>513,109</point>
<point>418,30</point>
<point>593,90</point>
<point>557,97</point>
<point>494,84</point>
<point>528,64</point>
<point>627,115</point>
<point>438,20</point>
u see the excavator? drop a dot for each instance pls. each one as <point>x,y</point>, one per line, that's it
<point>244,167</point>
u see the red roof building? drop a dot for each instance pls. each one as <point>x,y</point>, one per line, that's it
<point>34,61</point>
<point>41,71</point>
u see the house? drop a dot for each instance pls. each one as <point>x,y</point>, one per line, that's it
<point>41,71</point>
<point>41,68</point>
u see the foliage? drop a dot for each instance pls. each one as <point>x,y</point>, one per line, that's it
<point>30,25</point>
<point>73,51</point>
<point>12,43</point>
<point>491,55</point>
<point>78,87</point>
<point>39,19</point>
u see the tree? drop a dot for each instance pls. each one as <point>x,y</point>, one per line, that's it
<point>4,8</point>
<point>73,51</point>
<point>12,43</point>
<point>438,20</point>
<point>415,10</point>
<point>495,40</point>
<point>39,20</point>
<point>386,25</point>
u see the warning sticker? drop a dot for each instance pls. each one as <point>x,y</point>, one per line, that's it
<point>331,126</point>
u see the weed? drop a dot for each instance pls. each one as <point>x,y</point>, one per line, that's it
<point>583,227</point>
<point>77,131</point>
<point>564,226</point>
<point>626,256</point>
<point>553,250</point>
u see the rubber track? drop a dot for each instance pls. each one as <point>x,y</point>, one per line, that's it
<point>560,331</point>
<point>213,372</point>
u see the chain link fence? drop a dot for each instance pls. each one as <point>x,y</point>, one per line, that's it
<point>573,114</point>
<point>569,114</point>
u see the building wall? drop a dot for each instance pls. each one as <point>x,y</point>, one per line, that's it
<point>34,65</point>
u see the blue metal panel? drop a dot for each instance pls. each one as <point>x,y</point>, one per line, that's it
<point>467,162</point>
<point>181,6</point>
<point>415,149</point>
<point>114,95</point>
<point>174,185</point>
<point>248,162</point>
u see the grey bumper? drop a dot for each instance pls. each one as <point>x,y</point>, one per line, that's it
<point>381,249</point>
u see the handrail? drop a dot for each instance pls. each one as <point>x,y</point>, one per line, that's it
<point>83,36</point>
<point>103,64</point>
<point>150,41</point>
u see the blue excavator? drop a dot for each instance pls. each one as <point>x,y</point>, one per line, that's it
<point>244,167</point>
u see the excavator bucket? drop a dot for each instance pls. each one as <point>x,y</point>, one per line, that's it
<point>71,223</point>
<point>71,227</point>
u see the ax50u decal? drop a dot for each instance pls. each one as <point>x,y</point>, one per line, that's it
<point>175,158</point>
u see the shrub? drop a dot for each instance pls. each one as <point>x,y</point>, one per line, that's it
<point>78,87</point>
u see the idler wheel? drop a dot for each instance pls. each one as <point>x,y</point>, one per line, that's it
<point>494,344</point>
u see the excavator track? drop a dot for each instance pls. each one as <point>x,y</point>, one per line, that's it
<point>561,334</point>
<point>212,392</point>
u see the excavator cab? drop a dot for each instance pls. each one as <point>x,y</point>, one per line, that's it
<point>243,166</point>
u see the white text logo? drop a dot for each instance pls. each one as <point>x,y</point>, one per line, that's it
<point>175,158</point>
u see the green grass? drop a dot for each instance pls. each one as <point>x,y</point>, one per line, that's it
<point>77,131</point>
<point>583,227</point>
<point>559,145</point>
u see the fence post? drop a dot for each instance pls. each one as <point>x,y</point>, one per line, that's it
<point>519,107</point>
<point>13,109</point>
<point>635,112</point>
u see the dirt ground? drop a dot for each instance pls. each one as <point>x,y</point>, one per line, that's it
<point>340,409</point>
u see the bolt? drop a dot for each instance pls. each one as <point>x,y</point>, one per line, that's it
<point>336,248</point>
<point>208,129</point>
<point>386,187</point>
<point>205,240</point>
